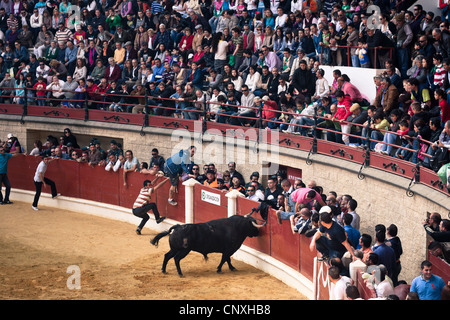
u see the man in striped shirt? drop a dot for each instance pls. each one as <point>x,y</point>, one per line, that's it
<point>63,34</point>
<point>143,203</point>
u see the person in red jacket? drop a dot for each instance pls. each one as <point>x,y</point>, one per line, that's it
<point>91,91</point>
<point>441,97</point>
<point>112,72</point>
<point>186,41</point>
<point>269,112</point>
<point>40,87</point>
<point>343,112</point>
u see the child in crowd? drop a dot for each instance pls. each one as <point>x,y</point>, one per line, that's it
<point>362,53</point>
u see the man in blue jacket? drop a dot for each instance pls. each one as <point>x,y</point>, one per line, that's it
<point>175,167</point>
<point>4,158</point>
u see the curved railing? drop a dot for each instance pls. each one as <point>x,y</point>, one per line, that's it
<point>415,172</point>
<point>276,241</point>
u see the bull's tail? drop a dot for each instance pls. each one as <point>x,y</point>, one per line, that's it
<point>156,239</point>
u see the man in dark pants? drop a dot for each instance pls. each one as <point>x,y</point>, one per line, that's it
<point>40,179</point>
<point>4,158</point>
<point>142,204</point>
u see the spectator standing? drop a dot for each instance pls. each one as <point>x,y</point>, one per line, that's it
<point>175,166</point>
<point>330,239</point>
<point>404,37</point>
<point>4,158</point>
<point>386,255</point>
<point>427,286</point>
<point>395,243</point>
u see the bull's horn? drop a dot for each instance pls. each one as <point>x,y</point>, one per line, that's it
<point>257,225</point>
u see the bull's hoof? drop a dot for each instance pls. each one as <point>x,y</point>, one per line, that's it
<point>180,275</point>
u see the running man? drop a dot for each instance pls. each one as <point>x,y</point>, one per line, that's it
<point>40,179</point>
<point>142,203</point>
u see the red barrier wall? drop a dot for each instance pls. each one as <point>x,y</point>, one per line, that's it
<point>79,180</point>
<point>261,243</point>
<point>205,211</point>
<point>440,267</point>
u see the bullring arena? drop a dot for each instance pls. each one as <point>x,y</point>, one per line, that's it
<point>91,226</point>
<point>38,248</point>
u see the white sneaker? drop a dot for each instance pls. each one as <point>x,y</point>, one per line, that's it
<point>34,208</point>
<point>59,194</point>
<point>172,202</point>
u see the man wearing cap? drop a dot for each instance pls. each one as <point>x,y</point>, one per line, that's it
<point>198,36</point>
<point>330,240</point>
<point>358,116</point>
<point>130,52</point>
<point>4,158</point>
<point>211,180</point>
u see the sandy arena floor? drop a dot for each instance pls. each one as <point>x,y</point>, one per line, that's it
<point>36,249</point>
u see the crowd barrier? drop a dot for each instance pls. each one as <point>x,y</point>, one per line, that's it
<point>415,172</point>
<point>79,180</point>
<point>82,181</point>
<point>374,60</point>
<point>76,180</point>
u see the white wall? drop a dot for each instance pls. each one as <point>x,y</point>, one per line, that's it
<point>429,5</point>
<point>362,78</point>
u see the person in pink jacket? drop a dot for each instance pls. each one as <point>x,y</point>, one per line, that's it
<point>343,112</point>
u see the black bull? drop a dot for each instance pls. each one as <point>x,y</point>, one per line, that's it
<point>221,235</point>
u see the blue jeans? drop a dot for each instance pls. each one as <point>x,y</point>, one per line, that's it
<point>355,61</point>
<point>272,125</point>
<point>222,118</point>
<point>306,122</point>
<point>389,138</point>
<point>188,113</point>
<point>376,135</point>
<point>403,60</point>
<point>286,215</point>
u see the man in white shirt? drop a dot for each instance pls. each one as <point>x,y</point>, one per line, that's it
<point>244,110</point>
<point>383,285</point>
<point>280,20</point>
<point>113,163</point>
<point>40,179</point>
<point>338,284</point>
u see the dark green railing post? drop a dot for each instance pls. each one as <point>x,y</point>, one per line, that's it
<point>86,109</point>
<point>25,105</point>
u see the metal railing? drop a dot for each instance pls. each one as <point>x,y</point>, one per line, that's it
<point>202,111</point>
<point>374,61</point>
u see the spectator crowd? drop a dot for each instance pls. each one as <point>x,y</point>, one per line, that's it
<point>259,60</point>
<point>330,219</point>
